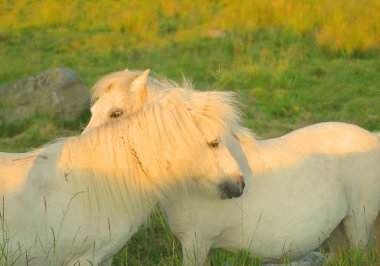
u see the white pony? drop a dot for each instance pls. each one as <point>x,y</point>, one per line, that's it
<point>78,200</point>
<point>320,182</point>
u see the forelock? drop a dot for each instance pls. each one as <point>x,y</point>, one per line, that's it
<point>121,79</point>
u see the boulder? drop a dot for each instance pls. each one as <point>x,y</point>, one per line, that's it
<point>57,92</point>
<point>311,259</point>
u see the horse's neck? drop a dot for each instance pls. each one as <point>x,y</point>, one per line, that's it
<point>269,155</point>
<point>251,149</point>
<point>15,168</point>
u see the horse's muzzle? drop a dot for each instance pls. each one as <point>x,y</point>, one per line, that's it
<point>230,189</point>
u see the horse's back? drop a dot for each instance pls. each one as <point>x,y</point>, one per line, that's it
<point>14,169</point>
<point>332,138</point>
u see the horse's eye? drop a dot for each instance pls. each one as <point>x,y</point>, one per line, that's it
<point>116,114</point>
<point>214,144</point>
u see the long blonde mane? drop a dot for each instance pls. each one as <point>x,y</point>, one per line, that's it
<point>157,85</point>
<point>139,156</point>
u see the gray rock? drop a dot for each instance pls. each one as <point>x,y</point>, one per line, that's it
<point>311,259</point>
<point>57,92</point>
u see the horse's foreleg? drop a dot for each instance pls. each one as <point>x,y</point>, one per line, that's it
<point>107,262</point>
<point>195,252</point>
<point>90,260</point>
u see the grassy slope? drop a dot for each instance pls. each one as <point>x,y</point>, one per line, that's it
<point>286,79</point>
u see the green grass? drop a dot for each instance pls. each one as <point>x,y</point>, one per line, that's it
<point>286,80</point>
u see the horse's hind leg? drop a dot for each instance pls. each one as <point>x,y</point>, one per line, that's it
<point>209,260</point>
<point>377,238</point>
<point>358,226</point>
<point>337,242</point>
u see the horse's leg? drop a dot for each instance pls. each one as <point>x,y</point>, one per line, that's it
<point>209,260</point>
<point>195,252</point>
<point>358,227</point>
<point>90,260</point>
<point>377,239</point>
<point>107,262</point>
<point>337,242</point>
<point>354,228</point>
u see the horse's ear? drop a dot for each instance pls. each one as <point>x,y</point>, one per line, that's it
<point>140,82</point>
<point>139,91</point>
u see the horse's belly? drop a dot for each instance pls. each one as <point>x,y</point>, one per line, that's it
<point>291,237</point>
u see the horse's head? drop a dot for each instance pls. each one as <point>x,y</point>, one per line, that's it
<point>218,120</point>
<point>223,160</point>
<point>218,165</point>
<point>120,93</point>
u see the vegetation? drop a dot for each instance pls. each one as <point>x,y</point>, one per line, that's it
<point>339,25</point>
<point>294,63</point>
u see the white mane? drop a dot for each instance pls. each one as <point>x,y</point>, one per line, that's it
<point>121,158</point>
<point>160,85</point>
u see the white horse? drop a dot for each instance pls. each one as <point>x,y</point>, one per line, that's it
<point>78,200</point>
<point>320,182</point>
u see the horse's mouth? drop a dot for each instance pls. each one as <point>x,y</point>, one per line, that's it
<point>229,190</point>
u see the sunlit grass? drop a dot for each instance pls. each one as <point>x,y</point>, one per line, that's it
<point>345,26</point>
<point>286,80</point>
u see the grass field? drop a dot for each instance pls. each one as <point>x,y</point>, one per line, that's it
<point>294,63</point>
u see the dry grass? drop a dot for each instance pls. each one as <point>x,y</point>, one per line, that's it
<point>346,26</point>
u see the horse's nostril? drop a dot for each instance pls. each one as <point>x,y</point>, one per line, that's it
<point>230,190</point>
<point>241,183</point>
